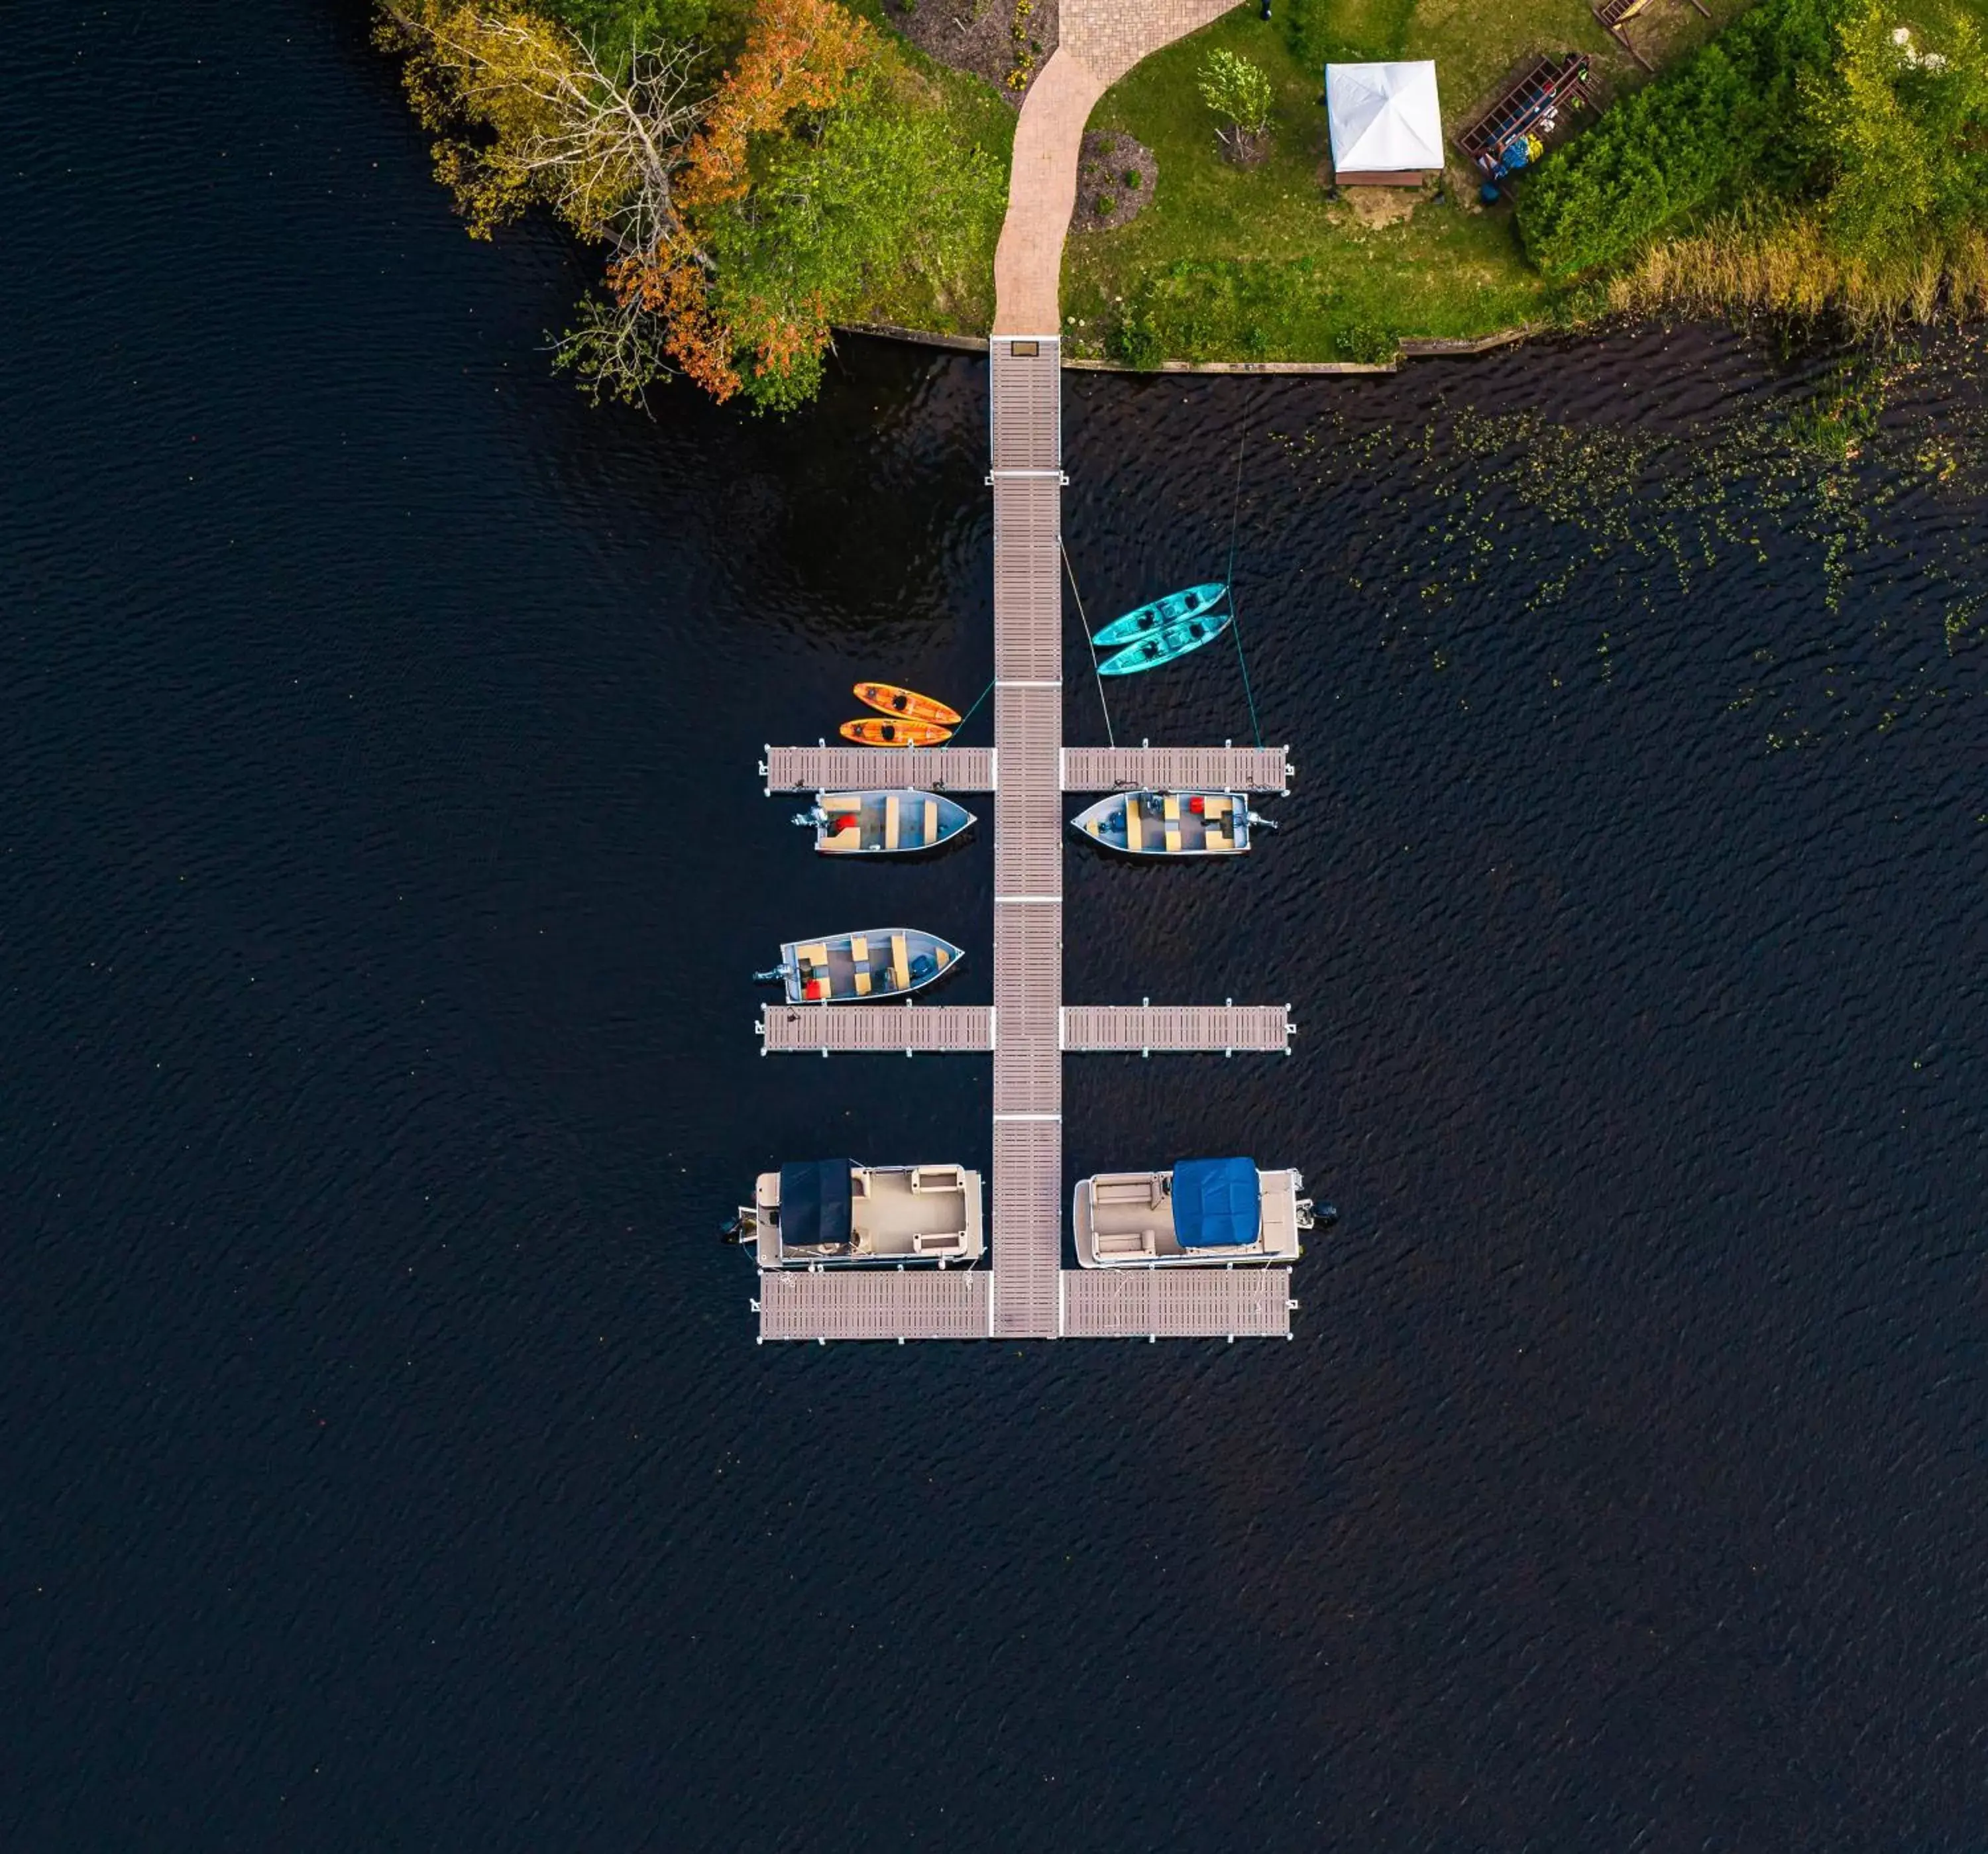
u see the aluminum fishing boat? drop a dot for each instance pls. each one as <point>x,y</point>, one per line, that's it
<point>892,823</point>
<point>1164,646</point>
<point>1204,1213</point>
<point>840,968</point>
<point>1161,613</point>
<point>1171,823</point>
<point>835,1214</point>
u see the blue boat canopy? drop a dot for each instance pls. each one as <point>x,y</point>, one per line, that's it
<point>1215,1203</point>
<point>814,1203</point>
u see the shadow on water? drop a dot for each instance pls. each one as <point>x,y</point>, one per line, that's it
<point>389,1461</point>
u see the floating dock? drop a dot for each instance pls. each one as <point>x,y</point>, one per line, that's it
<point>1027,1293</point>
<point>826,769</point>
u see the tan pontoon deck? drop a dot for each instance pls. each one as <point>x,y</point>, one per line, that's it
<point>1125,1220</point>
<point>898,1214</point>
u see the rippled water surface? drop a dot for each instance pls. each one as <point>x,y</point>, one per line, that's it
<point>387,1461</point>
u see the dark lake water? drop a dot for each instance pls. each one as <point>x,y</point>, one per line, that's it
<point>387,1461</point>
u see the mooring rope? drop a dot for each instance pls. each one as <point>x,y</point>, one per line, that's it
<point>977,700</point>
<point>1234,606</point>
<point>1097,674</point>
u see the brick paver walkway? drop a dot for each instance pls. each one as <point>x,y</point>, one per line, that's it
<point>1098,41</point>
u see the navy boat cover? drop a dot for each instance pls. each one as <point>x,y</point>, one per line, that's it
<point>1215,1203</point>
<point>814,1203</point>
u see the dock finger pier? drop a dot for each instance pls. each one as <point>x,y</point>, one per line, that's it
<point>1026,1292</point>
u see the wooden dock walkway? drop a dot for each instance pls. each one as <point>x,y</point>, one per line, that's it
<point>1025,390</point>
<point>914,1029</point>
<point>878,768</point>
<point>885,1029</point>
<point>1142,1029</point>
<point>1178,1303</point>
<point>973,768</point>
<point>1027,1293</point>
<point>878,1303</point>
<point>1150,769</point>
<point>1117,1303</point>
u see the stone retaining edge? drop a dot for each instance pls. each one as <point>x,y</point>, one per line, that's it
<point>1413,348</point>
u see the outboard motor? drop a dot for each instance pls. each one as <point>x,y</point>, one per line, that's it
<point>733,1232</point>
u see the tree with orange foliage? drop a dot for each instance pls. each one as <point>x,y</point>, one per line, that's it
<point>799,55</point>
<point>740,227</point>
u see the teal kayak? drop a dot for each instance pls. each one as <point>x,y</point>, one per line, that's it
<point>1176,640</point>
<point>1162,612</point>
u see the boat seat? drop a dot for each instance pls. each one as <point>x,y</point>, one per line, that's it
<point>816,956</point>
<point>901,966</point>
<point>939,1242</point>
<point>862,983</point>
<point>1145,1191</point>
<point>931,822</point>
<point>892,821</point>
<point>1127,1242</point>
<point>1216,804</point>
<point>937,1178</point>
<point>1134,834</point>
<point>1170,807</point>
<point>842,805</point>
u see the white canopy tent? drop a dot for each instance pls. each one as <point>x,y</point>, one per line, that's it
<point>1386,118</point>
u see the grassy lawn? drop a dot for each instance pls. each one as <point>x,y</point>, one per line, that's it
<point>979,115</point>
<point>1230,264</point>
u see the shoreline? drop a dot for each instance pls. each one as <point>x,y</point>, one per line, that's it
<point>1412,348</point>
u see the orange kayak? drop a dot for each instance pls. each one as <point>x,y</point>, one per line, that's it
<point>906,704</point>
<point>874,733</point>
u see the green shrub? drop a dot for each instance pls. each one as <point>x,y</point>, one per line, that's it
<point>1360,342</point>
<point>1726,117</point>
<point>1137,343</point>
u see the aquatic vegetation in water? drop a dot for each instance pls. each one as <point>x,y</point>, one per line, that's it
<point>1801,479</point>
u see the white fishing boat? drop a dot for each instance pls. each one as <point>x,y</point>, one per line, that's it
<point>883,823</point>
<point>841,968</point>
<point>835,1214</point>
<point>1171,823</point>
<point>1204,1213</point>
